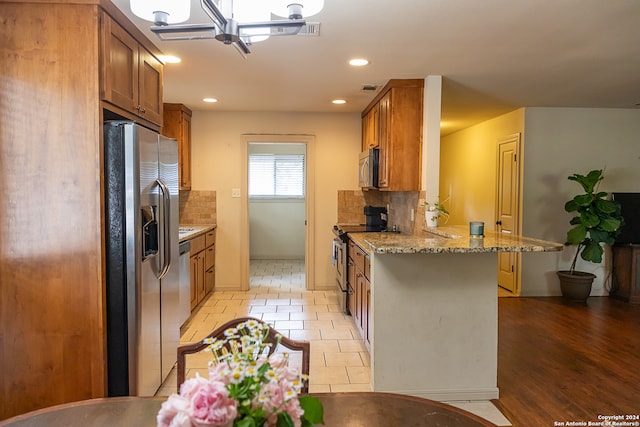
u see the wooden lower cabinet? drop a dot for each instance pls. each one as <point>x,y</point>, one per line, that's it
<point>360,299</point>
<point>202,267</point>
<point>194,281</point>
<point>367,318</point>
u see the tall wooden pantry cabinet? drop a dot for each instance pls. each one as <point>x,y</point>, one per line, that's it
<point>56,88</point>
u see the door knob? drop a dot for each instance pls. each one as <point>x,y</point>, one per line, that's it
<point>498,222</point>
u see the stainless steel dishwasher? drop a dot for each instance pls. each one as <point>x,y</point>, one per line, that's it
<point>185,281</point>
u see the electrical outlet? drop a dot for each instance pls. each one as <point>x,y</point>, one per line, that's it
<point>413,215</point>
<point>235,193</point>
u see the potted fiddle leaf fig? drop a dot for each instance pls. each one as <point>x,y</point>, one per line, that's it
<point>597,222</point>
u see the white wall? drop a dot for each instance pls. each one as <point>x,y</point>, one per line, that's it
<point>561,142</point>
<point>217,164</point>
<point>277,229</point>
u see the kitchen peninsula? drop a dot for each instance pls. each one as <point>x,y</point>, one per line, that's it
<point>434,310</point>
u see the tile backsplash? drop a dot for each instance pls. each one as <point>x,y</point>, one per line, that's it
<point>351,205</point>
<point>198,207</point>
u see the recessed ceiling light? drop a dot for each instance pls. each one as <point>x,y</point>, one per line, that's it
<point>210,100</point>
<point>339,101</point>
<point>358,62</point>
<point>170,59</point>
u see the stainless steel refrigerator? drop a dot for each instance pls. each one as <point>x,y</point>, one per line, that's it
<point>142,271</point>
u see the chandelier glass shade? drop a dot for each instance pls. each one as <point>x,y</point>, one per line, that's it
<point>252,11</point>
<point>162,12</point>
<point>298,8</point>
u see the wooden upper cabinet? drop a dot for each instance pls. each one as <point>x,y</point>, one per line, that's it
<point>370,129</point>
<point>384,118</point>
<point>177,124</point>
<point>131,75</point>
<point>399,115</point>
<point>150,72</point>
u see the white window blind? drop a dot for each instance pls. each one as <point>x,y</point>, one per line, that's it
<point>276,175</point>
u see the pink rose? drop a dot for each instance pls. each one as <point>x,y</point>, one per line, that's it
<point>270,398</point>
<point>211,405</point>
<point>220,372</point>
<point>174,412</point>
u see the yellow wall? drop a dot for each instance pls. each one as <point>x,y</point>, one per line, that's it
<point>468,166</point>
<point>217,164</point>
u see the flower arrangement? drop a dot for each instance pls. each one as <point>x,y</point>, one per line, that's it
<point>246,387</point>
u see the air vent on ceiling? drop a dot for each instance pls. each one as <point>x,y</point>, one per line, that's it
<point>370,87</point>
<point>311,29</point>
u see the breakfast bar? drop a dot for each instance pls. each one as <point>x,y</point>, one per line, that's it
<point>434,310</point>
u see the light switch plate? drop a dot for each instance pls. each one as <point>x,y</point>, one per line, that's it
<point>235,193</point>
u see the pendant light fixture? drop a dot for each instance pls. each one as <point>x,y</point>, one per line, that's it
<point>237,22</point>
<point>162,12</point>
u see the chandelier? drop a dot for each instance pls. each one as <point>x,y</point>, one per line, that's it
<point>237,22</point>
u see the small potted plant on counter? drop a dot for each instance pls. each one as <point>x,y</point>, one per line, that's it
<point>598,221</point>
<point>433,212</point>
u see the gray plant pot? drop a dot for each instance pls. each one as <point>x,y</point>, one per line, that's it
<point>575,286</point>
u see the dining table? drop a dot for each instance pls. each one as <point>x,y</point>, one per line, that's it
<point>371,409</point>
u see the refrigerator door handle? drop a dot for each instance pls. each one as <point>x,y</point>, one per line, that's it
<point>166,241</point>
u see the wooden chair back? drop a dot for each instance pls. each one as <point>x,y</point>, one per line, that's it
<point>293,345</point>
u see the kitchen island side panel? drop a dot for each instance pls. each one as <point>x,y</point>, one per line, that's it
<point>435,325</point>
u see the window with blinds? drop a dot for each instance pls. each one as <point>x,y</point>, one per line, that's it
<point>276,175</point>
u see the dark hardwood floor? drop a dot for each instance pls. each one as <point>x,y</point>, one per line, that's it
<point>560,362</point>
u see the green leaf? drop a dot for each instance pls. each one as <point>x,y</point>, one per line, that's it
<point>245,422</point>
<point>597,235</point>
<point>284,420</point>
<point>588,182</point>
<point>592,252</point>
<point>571,206</point>
<point>610,224</point>
<point>263,369</point>
<point>576,235</point>
<point>589,219</point>
<point>575,220</point>
<point>583,200</point>
<point>313,410</point>
<point>606,206</point>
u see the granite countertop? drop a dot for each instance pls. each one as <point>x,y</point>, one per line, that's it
<point>451,239</point>
<point>189,231</point>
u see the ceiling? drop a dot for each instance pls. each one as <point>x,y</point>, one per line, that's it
<point>494,56</point>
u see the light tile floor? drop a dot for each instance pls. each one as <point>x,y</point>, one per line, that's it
<point>339,359</point>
